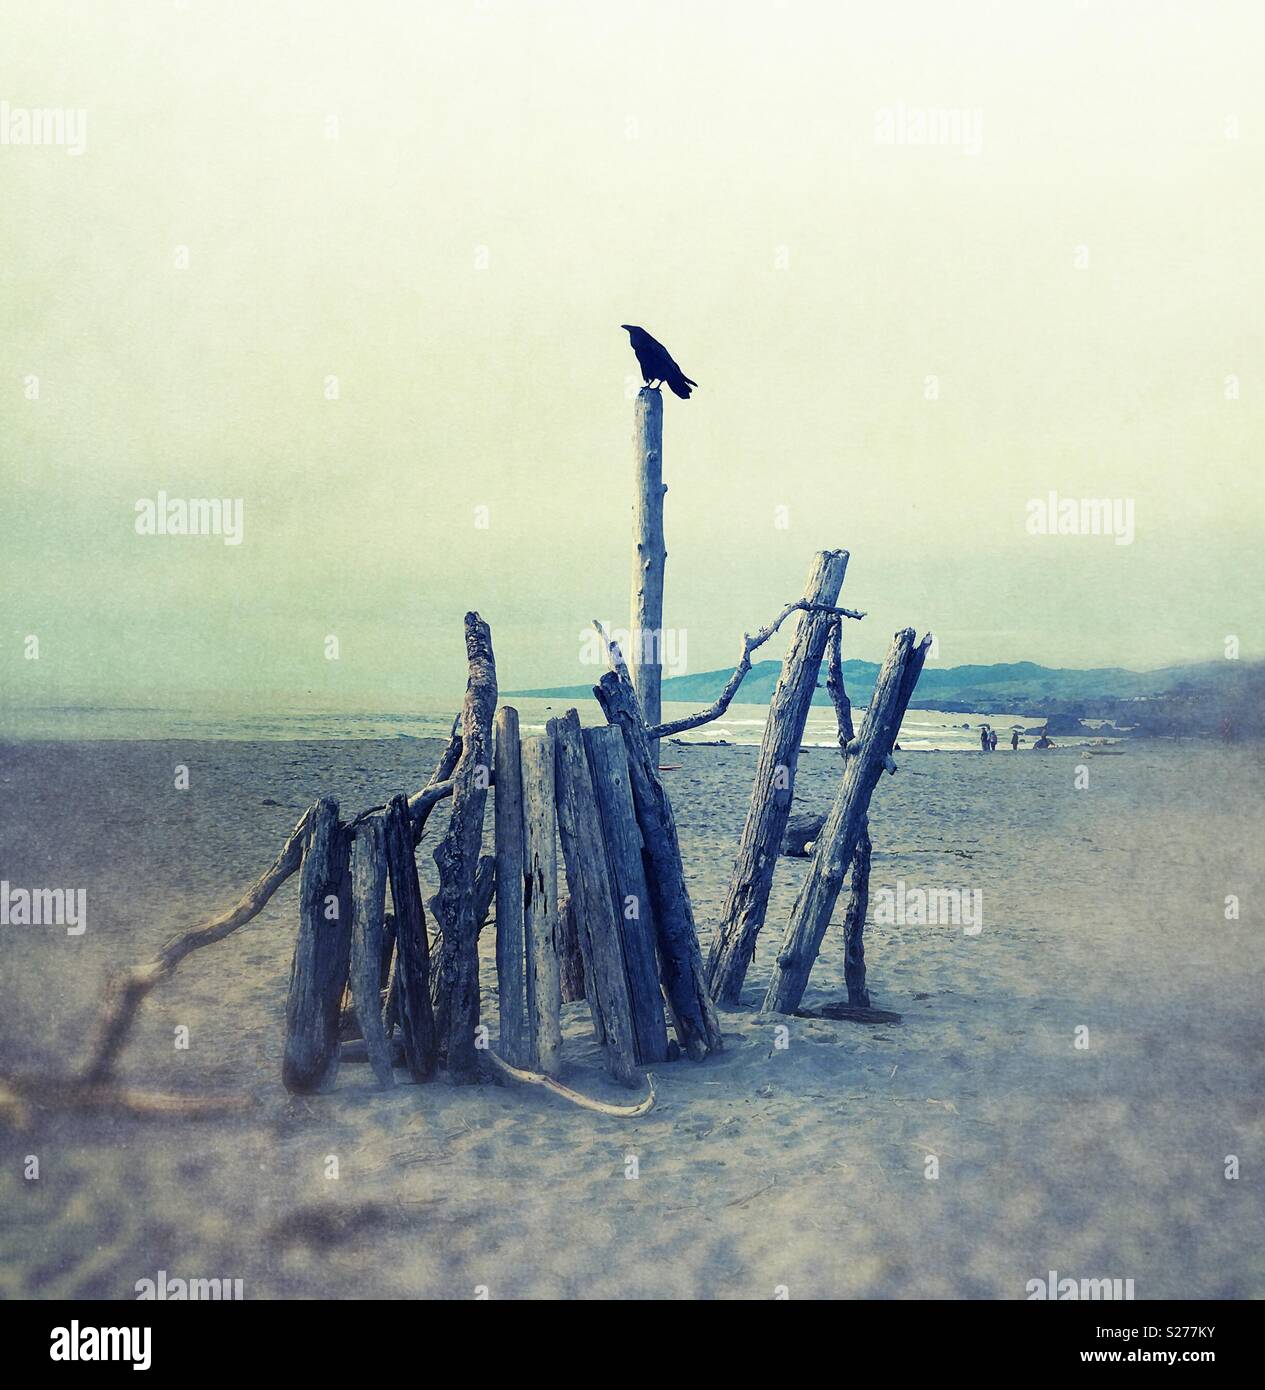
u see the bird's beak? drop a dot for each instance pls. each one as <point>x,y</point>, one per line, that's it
<point>627,327</point>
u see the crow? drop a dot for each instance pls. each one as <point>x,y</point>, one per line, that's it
<point>656,361</point>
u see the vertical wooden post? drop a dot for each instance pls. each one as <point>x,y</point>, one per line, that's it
<point>589,881</point>
<point>540,905</point>
<point>412,952</point>
<point>694,1018</point>
<point>634,912</point>
<point>649,556</point>
<point>511,949</point>
<point>368,897</point>
<point>838,840</point>
<point>321,952</point>
<point>748,896</point>
<point>456,994</point>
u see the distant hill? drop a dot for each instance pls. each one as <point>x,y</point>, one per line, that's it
<point>1204,697</point>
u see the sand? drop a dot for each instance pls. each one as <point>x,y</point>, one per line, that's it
<point>764,1170</point>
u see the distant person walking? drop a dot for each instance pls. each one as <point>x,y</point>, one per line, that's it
<point>992,740</point>
<point>983,738</point>
<point>1014,741</point>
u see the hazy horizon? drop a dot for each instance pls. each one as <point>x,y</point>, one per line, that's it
<point>900,345</point>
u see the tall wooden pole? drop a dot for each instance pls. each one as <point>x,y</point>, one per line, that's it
<point>774,789</point>
<point>645,660</point>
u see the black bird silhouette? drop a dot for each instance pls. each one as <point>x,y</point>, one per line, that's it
<point>656,361</point>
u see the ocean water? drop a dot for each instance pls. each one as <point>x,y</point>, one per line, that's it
<point>740,724</point>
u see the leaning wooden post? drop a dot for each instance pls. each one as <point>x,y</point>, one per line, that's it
<point>368,898</point>
<point>748,896</point>
<point>542,928</point>
<point>649,556</point>
<point>634,912</point>
<point>412,952</point>
<point>321,952</point>
<point>838,840</point>
<point>456,996</point>
<point>511,983</point>
<point>589,882</point>
<point>693,1016</point>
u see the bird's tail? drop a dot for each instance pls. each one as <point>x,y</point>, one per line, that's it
<point>680,385</point>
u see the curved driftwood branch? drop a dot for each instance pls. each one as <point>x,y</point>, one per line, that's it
<point>537,1078</point>
<point>126,991</point>
<point>750,642</point>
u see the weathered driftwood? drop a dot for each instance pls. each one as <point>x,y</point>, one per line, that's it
<point>368,900</point>
<point>801,831</point>
<point>748,896</point>
<point>866,758</point>
<point>321,954</point>
<point>859,875</point>
<point>854,920</point>
<point>511,947</point>
<point>634,912</point>
<point>125,991</point>
<point>484,892</point>
<point>542,929</point>
<point>457,857</point>
<point>681,965</point>
<point>570,959</point>
<point>750,643</point>
<point>602,1107</point>
<point>649,555</point>
<point>589,881</point>
<point>412,951</point>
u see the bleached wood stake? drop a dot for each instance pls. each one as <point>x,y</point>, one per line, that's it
<point>774,787</point>
<point>368,897</point>
<point>649,556</point>
<point>321,952</point>
<point>412,951</point>
<point>589,882</point>
<point>511,951</point>
<point>540,904</point>
<point>634,912</point>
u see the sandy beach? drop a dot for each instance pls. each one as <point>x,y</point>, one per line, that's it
<point>801,1171</point>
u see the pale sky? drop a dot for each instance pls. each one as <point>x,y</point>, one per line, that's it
<point>453,207</point>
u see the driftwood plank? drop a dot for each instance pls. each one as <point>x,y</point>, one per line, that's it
<point>368,897</point>
<point>589,881</point>
<point>849,1013</point>
<point>748,897</point>
<point>417,1021</point>
<point>456,996</point>
<point>863,766</point>
<point>321,954</point>
<point>511,948</point>
<point>634,912</point>
<point>540,905</point>
<point>693,1015</point>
